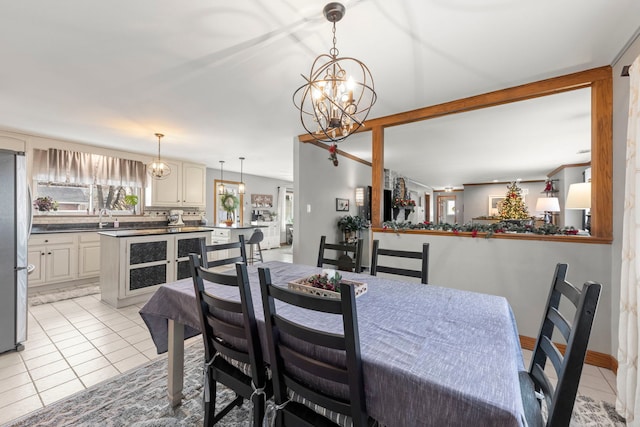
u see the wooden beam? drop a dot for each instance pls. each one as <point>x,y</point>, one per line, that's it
<point>602,158</point>
<point>377,175</point>
<point>340,152</point>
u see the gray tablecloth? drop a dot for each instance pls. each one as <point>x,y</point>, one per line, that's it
<point>432,356</point>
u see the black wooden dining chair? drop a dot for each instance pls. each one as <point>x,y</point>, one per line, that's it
<point>232,351</point>
<point>422,274</point>
<point>535,384</point>
<point>218,254</point>
<point>343,261</point>
<point>317,375</point>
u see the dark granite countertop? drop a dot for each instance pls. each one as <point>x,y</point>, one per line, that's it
<point>151,231</point>
<point>93,227</point>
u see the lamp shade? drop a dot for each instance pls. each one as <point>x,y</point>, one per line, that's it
<point>579,196</point>
<point>548,204</point>
<point>359,196</point>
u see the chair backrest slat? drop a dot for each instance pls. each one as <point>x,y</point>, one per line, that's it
<point>560,323</point>
<point>422,273</point>
<point>325,339</point>
<point>317,368</point>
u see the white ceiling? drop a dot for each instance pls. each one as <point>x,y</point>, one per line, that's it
<point>217,78</point>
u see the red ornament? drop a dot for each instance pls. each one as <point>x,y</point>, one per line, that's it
<point>474,233</point>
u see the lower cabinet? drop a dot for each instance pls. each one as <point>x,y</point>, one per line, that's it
<point>133,267</point>
<point>88,255</point>
<point>55,257</point>
<point>271,231</point>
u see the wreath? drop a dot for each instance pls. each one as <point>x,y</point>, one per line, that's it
<point>229,202</point>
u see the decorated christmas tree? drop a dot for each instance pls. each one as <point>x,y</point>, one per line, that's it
<point>513,206</point>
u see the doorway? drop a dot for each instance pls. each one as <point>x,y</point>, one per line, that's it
<point>447,210</point>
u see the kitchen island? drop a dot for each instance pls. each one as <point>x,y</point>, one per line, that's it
<point>134,263</point>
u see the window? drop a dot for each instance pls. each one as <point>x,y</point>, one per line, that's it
<point>86,183</point>
<point>89,199</point>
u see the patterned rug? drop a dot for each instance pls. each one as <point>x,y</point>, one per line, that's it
<point>138,398</point>
<point>64,294</point>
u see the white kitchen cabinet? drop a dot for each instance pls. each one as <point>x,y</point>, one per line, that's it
<point>88,255</point>
<point>271,231</point>
<point>133,267</point>
<point>185,186</point>
<point>55,257</point>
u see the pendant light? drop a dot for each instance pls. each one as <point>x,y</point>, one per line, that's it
<point>221,185</point>
<point>158,169</point>
<point>241,185</point>
<point>338,93</point>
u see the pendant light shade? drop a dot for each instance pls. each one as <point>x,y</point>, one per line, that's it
<point>221,185</point>
<point>158,169</point>
<point>241,188</point>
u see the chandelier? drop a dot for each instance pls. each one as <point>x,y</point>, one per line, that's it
<point>158,169</point>
<point>338,93</point>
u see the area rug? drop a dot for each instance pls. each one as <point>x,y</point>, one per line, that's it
<point>138,398</point>
<point>64,294</point>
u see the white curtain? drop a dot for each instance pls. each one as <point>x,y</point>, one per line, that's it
<point>74,167</point>
<point>628,403</point>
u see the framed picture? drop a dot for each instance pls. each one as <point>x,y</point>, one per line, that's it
<point>342,204</point>
<point>494,204</point>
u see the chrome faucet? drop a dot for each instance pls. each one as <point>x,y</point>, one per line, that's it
<point>103,211</point>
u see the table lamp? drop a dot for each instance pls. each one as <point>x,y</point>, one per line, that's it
<point>548,205</point>
<point>579,197</point>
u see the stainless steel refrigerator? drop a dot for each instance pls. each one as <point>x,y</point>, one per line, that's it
<point>15,219</point>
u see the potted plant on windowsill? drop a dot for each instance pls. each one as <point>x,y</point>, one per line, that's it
<point>229,203</point>
<point>350,225</point>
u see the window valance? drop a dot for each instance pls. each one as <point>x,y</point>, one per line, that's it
<point>74,167</point>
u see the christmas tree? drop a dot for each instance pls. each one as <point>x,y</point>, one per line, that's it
<point>513,206</point>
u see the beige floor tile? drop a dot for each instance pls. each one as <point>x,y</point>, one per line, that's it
<point>60,392</point>
<point>36,341</point>
<point>71,342</point>
<point>610,377</point>
<point>20,408</point>
<point>12,370</point>
<point>131,362</point>
<point>10,359</point>
<point>145,345</point>
<point>140,337</point>
<point>33,353</point>
<point>17,380</point>
<point>69,333</point>
<point>121,354</point>
<point>76,349</point>
<point>43,360</point>
<point>591,370</point>
<point>48,369</point>
<point>106,339</point>
<point>83,357</point>
<point>153,354</point>
<point>54,380</point>
<point>91,366</point>
<point>9,397</point>
<point>595,382</point>
<point>133,330</point>
<point>112,346</point>
<point>56,328</point>
<point>98,376</point>
<point>86,324</point>
<point>121,325</point>
<point>98,332</point>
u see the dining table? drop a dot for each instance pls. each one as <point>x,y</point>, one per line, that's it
<point>431,355</point>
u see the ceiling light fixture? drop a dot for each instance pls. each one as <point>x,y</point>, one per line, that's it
<point>334,102</point>
<point>158,169</point>
<point>241,185</point>
<point>221,185</point>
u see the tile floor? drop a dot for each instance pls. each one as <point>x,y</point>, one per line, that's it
<point>76,343</point>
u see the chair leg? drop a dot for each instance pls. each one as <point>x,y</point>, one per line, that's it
<point>260,252</point>
<point>258,402</point>
<point>210,407</point>
<point>251,254</point>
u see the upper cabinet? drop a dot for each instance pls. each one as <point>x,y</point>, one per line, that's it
<point>185,186</point>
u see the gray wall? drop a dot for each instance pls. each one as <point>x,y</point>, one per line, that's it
<point>476,198</point>
<point>317,185</point>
